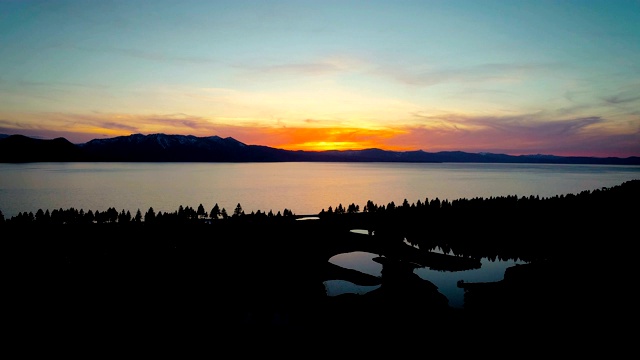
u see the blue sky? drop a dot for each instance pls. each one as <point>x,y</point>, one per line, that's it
<point>515,77</point>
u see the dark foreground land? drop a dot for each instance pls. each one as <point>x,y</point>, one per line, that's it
<point>263,275</point>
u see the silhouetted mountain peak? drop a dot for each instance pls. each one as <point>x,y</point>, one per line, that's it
<point>166,141</point>
<point>20,148</point>
<point>188,148</point>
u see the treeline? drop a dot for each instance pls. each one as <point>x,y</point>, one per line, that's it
<point>541,210</point>
<point>184,214</point>
<point>506,227</point>
<point>529,228</point>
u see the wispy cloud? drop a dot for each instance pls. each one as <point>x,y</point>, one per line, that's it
<point>178,122</point>
<point>56,84</point>
<point>322,67</point>
<point>426,75</point>
<point>521,134</point>
<point>530,126</point>
<point>295,69</point>
<point>151,55</point>
<point>622,98</point>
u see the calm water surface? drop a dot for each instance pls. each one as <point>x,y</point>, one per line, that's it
<point>304,188</point>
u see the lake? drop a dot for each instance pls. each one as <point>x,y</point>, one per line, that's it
<point>304,188</point>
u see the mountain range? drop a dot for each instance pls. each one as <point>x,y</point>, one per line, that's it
<point>189,148</point>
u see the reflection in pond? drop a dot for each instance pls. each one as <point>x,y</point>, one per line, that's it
<point>357,260</point>
<point>361,231</point>
<point>446,281</point>
<point>339,287</point>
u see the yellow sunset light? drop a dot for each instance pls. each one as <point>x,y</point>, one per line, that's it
<point>324,145</point>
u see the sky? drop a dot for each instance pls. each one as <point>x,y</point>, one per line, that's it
<point>511,77</point>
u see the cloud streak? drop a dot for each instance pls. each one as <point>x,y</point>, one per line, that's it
<point>519,135</point>
<point>150,55</point>
<point>424,75</point>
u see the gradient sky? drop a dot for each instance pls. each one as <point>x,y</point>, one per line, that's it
<point>513,77</point>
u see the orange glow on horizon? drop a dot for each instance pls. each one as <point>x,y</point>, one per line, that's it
<point>322,139</point>
<point>323,146</point>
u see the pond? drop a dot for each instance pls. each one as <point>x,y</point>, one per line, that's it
<point>446,281</point>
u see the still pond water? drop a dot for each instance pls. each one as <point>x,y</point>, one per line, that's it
<point>304,188</point>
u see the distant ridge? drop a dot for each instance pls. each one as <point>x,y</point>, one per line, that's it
<point>189,148</point>
<point>19,148</point>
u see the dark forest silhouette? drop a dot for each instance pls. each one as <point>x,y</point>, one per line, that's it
<point>265,271</point>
